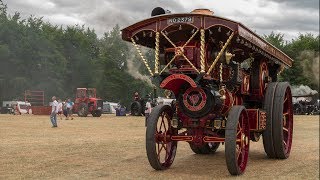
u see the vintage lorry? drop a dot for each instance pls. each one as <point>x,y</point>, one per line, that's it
<point>224,78</point>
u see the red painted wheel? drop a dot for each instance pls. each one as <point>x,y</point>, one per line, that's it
<point>277,137</point>
<point>237,141</point>
<point>282,121</point>
<point>161,151</point>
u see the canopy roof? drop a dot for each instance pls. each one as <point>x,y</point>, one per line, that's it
<point>162,23</point>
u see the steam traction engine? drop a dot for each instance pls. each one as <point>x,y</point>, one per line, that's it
<point>224,77</point>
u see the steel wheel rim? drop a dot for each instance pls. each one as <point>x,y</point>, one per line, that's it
<point>242,143</point>
<point>287,119</point>
<point>165,148</point>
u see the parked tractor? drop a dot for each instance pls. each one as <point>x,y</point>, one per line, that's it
<point>224,78</point>
<point>87,102</point>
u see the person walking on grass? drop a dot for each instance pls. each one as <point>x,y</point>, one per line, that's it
<point>69,109</point>
<point>60,110</point>
<point>147,111</point>
<point>54,111</point>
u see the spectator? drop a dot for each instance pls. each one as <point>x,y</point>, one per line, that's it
<point>64,108</point>
<point>136,96</point>
<point>69,109</point>
<point>147,111</point>
<point>60,110</point>
<point>54,111</point>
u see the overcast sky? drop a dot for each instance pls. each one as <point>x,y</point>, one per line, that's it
<point>263,16</point>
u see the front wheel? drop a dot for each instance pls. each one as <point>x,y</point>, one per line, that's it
<point>161,150</point>
<point>237,140</point>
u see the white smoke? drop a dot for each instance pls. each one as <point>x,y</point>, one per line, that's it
<point>310,63</point>
<point>302,90</point>
<point>133,68</point>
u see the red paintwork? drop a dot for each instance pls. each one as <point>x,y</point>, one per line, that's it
<point>41,110</point>
<point>165,146</point>
<point>288,126</point>
<point>160,23</point>
<point>244,149</point>
<point>86,95</point>
<point>190,100</point>
<point>174,82</point>
<point>227,103</point>
<point>200,93</point>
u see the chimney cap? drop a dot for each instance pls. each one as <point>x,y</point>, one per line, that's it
<point>202,11</point>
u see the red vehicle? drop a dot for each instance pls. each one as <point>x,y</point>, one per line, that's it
<point>224,77</point>
<point>87,102</point>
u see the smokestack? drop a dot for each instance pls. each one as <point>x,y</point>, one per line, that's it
<point>159,11</point>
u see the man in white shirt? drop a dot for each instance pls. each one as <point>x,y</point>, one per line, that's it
<point>54,111</point>
<point>60,108</point>
<point>147,111</point>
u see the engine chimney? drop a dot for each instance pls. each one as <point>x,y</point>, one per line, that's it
<point>202,11</point>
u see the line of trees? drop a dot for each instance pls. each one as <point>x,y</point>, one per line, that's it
<point>36,55</point>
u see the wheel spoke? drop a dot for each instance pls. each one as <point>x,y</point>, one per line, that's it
<point>240,129</point>
<point>167,151</point>
<point>285,129</point>
<point>164,126</point>
<point>239,152</point>
<point>285,100</point>
<point>285,113</point>
<point>161,123</point>
<point>285,144</point>
<point>238,133</point>
<point>159,152</point>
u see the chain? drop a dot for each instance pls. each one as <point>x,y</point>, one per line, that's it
<point>185,57</point>
<point>220,53</point>
<point>180,48</point>
<point>202,51</point>
<point>156,58</point>
<point>142,57</point>
<point>221,71</point>
<point>168,63</point>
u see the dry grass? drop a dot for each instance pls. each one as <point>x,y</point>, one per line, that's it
<point>113,147</point>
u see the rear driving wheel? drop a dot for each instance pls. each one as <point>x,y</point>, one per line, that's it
<point>277,138</point>
<point>83,110</point>
<point>282,121</point>
<point>161,150</point>
<point>237,140</point>
<point>96,113</point>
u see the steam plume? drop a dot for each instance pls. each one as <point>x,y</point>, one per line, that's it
<point>302,90</point>
<point>310,64</point>
<point>133,68</point>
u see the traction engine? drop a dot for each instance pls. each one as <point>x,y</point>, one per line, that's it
<point>224,78</point>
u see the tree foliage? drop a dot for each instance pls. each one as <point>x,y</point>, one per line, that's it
<point>304,50</point>
<point>35,55</point>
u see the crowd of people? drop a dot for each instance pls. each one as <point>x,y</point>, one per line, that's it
<point>60,108</point>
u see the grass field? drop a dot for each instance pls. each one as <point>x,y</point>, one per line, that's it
<point>113,147</point>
